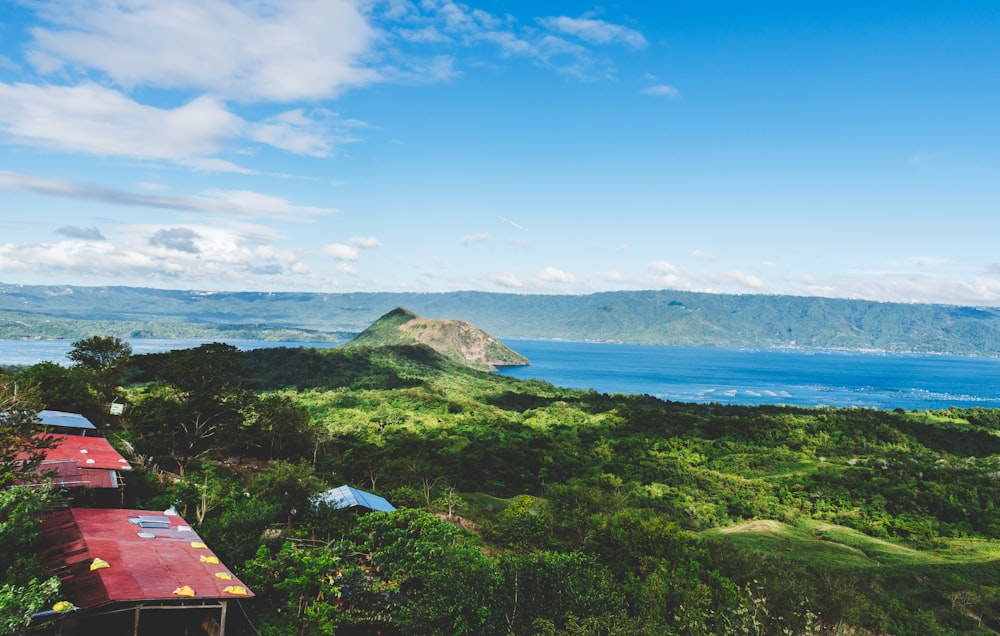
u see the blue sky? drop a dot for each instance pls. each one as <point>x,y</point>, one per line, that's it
<point>843,149</point>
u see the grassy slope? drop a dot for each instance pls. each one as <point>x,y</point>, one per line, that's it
<point>721,472</point>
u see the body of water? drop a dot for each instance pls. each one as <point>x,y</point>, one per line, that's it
<point>26,352</point>
<point>694,374</point>
<point>765,376</point>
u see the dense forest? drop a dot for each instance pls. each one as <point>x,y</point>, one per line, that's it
<point>663,317</point>
<point>525,508</point>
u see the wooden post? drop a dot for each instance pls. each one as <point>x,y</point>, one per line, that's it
<point>222,619</point>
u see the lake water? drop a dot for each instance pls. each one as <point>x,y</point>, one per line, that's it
<point>19,352</point>
<point>765,376</point>
<point>696,374</point>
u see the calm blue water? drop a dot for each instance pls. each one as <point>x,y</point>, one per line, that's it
<point>695,374</point>
<point>18,352</point>
<point>766,376</point>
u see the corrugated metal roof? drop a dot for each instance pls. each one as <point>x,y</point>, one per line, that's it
<point>66,473</point>
<point>89,452</point>
<point>347,497</point>
<point>139,569</point>
<point>62,418</point>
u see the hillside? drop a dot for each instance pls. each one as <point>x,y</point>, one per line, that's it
<point>662,317</point>
<point>525,508</point>
<point>453,338</point>
<point>625,511</point>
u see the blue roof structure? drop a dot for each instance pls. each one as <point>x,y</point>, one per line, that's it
<point>65,420</point>
<point>347,497</point>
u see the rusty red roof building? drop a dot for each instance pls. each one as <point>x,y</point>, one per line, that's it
<point>112,562</point>
<point>76,461</point>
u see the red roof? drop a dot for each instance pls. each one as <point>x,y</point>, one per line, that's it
<point>66,473</point>
<point>145,563</point>
<point>89,452</point>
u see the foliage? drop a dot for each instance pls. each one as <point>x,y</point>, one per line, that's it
<point>105,358</point>
<point>24,589</point>
<point>100,353</point>
<point>20,450</point>
<point>19,603</point>
<point>61,388</point>
<point>197,397</point>
<point>276,426</point>
<point>578,512</point>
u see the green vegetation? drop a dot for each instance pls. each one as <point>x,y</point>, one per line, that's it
<point>25,588</point>
<point>453,338</point>
<point>663,317</point>
<point>525,508</point>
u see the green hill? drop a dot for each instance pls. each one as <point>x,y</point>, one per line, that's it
<point>660,317</point>
<point>525,508</point>
<point>453,338</point>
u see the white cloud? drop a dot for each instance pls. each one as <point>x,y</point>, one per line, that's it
<point>342,252</point>
<point>595,31</point>
<point>235,256</point>
<point>555,275</point>
<point>475,238</point>
<point>250,203</point>
<point>443,23</point>
<point>928,261</point>
<point>661,90</point>
<point>423,35</point>
<point>346,268</point>
<point>618,277</point>
<point>365,242</point>
<point>94,120</point>
<point>699,255</point>
<point>82,233</point>
<point>268,50</point>
<point>739,280</point>
<point>222,202</point>
<point>514,225</point>
<point>663,267</point>
<point>304,133</point>
<point>509,281</point>
<point>180,239</point>
<point>213,164</point>
<point>669,275</point>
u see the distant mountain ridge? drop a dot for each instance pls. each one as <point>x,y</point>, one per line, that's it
<point>454,338</point>
<point>663,317</point>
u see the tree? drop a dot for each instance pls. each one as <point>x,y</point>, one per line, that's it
<point>287,485</point>
<point>60,388</point>
<point>106,358</point>
<point>277,427</point>
<point>441,582</point>
<point>198,394</point>
<point>24,588</point>
<point>21,451</point>
<point>555,587</point>
<point>519,526</point>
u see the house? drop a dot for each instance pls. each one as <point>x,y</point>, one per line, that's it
<point>63,422</point>
<point>347,497</point>
<point>136,572</point>
<point>76,461</point>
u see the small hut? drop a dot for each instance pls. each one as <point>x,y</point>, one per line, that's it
<point>347,497</point>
